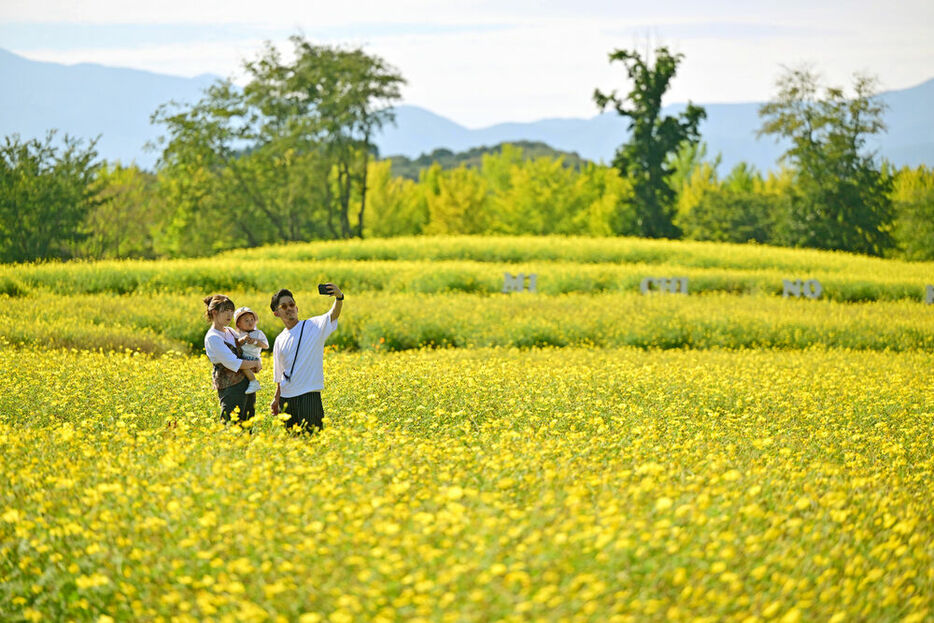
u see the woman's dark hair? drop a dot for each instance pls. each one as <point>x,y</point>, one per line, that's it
<point>274,303</point>
<point>216,303</point>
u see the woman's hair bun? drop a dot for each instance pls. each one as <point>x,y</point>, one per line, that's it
<point>216,302</point>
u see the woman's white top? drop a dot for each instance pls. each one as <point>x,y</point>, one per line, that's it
<point>217,352</point>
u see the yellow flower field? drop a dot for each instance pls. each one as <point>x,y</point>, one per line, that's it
<point>475,484</point>
<point>584,453</point>
<point>477,264</point>
<point>157,323</point>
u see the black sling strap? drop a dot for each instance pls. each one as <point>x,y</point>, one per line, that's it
<point>301,332</point>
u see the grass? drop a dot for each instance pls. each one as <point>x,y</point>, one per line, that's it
<point>477,265</point>
<point>158,323</point>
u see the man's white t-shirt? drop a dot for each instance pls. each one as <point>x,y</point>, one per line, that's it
<point>308,375</point>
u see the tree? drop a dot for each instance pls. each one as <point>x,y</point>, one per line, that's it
<point>227,170</point>
<point>339,99</point>
<point>46,191</point>
<point>726,215</point>
<point>606,201</point>
<point>540,199</point>
<point>285,157</point>
<point>842,196</point>
<point>398,206</point>
<point>744,178</point>
<point>913,199</point>
<point>126,213</point>
<point>497,167</point>
<point>692,176</point>
<point>644,158</point>
<point>457,201</point>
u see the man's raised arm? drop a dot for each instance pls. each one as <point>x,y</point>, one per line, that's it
<point>338,301</point>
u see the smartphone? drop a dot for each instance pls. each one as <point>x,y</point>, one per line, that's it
<point>323,289</point>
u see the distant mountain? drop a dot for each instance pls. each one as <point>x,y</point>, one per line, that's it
<point>730,130</point>
<point>86,100</point>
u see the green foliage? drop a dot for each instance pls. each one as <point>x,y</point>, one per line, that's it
<point>913,201</point>
<point>691,171</point>
<point>644,159</point>
<point>510,194</point>
<point>457,201</point>
<point>339,97</point>
<point>397,206</point>
<point>232,178</point>
<point>541,199</point>
<point>498,168</point>
<point>285,158</point>
<point>733,216</point>
<point>288,158</point>
<point>9,286</point>
<point>841,199</point>
<point>127,213</point>
<point>46,191</point>
<point>606,207</point>
<point>476,157</point>
<point>744,178</point>
<point>698,181</point>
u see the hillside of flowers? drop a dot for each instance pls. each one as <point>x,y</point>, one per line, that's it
<point>579,453</point>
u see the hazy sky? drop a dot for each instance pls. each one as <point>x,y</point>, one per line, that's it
<point>481,62</point>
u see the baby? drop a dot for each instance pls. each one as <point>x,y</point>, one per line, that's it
<point>251,341</point>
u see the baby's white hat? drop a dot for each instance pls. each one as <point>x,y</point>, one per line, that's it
<point>241,311</point>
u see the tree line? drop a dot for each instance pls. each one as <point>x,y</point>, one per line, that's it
<point>290,157</point>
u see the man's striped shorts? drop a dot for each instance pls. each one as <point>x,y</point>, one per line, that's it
<point>306,411</point>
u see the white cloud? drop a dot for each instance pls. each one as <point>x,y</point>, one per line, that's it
<point>483,62</point>
<point>281,13</point>
<point>182,59</point>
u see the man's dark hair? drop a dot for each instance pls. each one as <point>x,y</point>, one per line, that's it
<point>274,303</point>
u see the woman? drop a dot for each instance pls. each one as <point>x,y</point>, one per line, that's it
<point>220,344</point>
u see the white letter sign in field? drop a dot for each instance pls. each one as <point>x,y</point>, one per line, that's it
<point>517,283</point>
<point>810,289</point>
<point>674,285</point>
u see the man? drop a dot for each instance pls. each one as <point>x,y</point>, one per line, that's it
<point>298,359</point>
